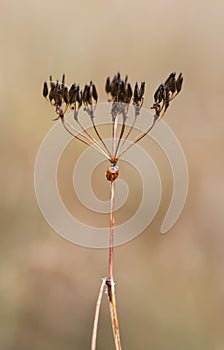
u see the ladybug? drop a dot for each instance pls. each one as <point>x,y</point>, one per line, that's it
<point>112,173</point>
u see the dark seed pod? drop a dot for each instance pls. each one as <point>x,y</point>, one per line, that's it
<point>52,93</point>
<point>129,91</point>
<point>63,79</point>
<point>142,90</point>
<point>125,80</point>
<point>108,87</point>
<point>179,82</point>
<point>58,97</point>
<point>79,98</point>
<point>159,94</point>
<point>114,81</point>
<point>87,97</point>
<point>128,94</point>
<point>121,91</point>
<point>114,89</point>
<point>45,90</point>
<point>65,94</point>
<point>78,94</point>
<point>165,93</point>
<point>170,79</point>
<point>173,87</point>
<point>170,82</point>
<point>136,93</point>
<point>94,92</point>
<point>71,93</point>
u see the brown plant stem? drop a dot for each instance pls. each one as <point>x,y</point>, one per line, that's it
<point>92,139</point>
<point>113,313</point>
<point>110,282</point>
<point>87,141</point>
<point>97,312</point>
<point>111,248</point>
<point>129,132</point>
<point>120,137</point>
<point>138,138</point>
<point>100,138</point>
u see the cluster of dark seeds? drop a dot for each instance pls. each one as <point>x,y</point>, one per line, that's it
<point>57,94</point>
<point>119,91</point>
<point>121,95</point>
<point>89,98</point>
<point>75,97</point>
<point>166,93</point>
<point>61,97</point>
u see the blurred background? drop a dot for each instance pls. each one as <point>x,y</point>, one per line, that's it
<point>169,287</point>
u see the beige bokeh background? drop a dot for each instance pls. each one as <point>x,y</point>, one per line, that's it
<point>170,288</point>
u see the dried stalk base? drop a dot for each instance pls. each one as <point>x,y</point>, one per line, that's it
<point>113,313</point>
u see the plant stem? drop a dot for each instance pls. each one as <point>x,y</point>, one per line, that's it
<point>110,282</point>
<point>138,138</point>
<point>111,248</point>
<point>97,312</point>
<point>113,313</point>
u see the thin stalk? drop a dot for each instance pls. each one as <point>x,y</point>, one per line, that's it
<point>112,202</point>
<point>87,142</point>
<point>129,132</point>
<point>120,137</point>
<point>138,138</point>
<point>97,312</point>
<point>71,133</point>
<point>100,138</point>
<point>113,314</point>
<point>114,132</point>
<point>93,140</point>
<point>110,282</point>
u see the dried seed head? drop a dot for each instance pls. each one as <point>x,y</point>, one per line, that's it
<point>171,83</point>
<point>65,94</point>
<point>63,79</point>
<point>94,92</point>
<point>86,95</point>
<point>71,93</point>
<point>165,93</point>
<point>138,96</point>
<point>58,95</point>
<point>108,86</point>
<point>120,93</point>
<point>119,90</point>
<point>129,92</point>
<point>75,98</point>
<point>158,96</point>
<point>142,89</point>
<point>78,96</point>
<point>179,82</point>
<point>45,89</point>
<point>136,93</point>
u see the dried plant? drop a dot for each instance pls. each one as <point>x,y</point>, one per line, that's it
<point>121,94</point>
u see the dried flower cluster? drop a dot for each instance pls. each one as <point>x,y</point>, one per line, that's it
<point>121,94</point>
<point>166,93</point>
